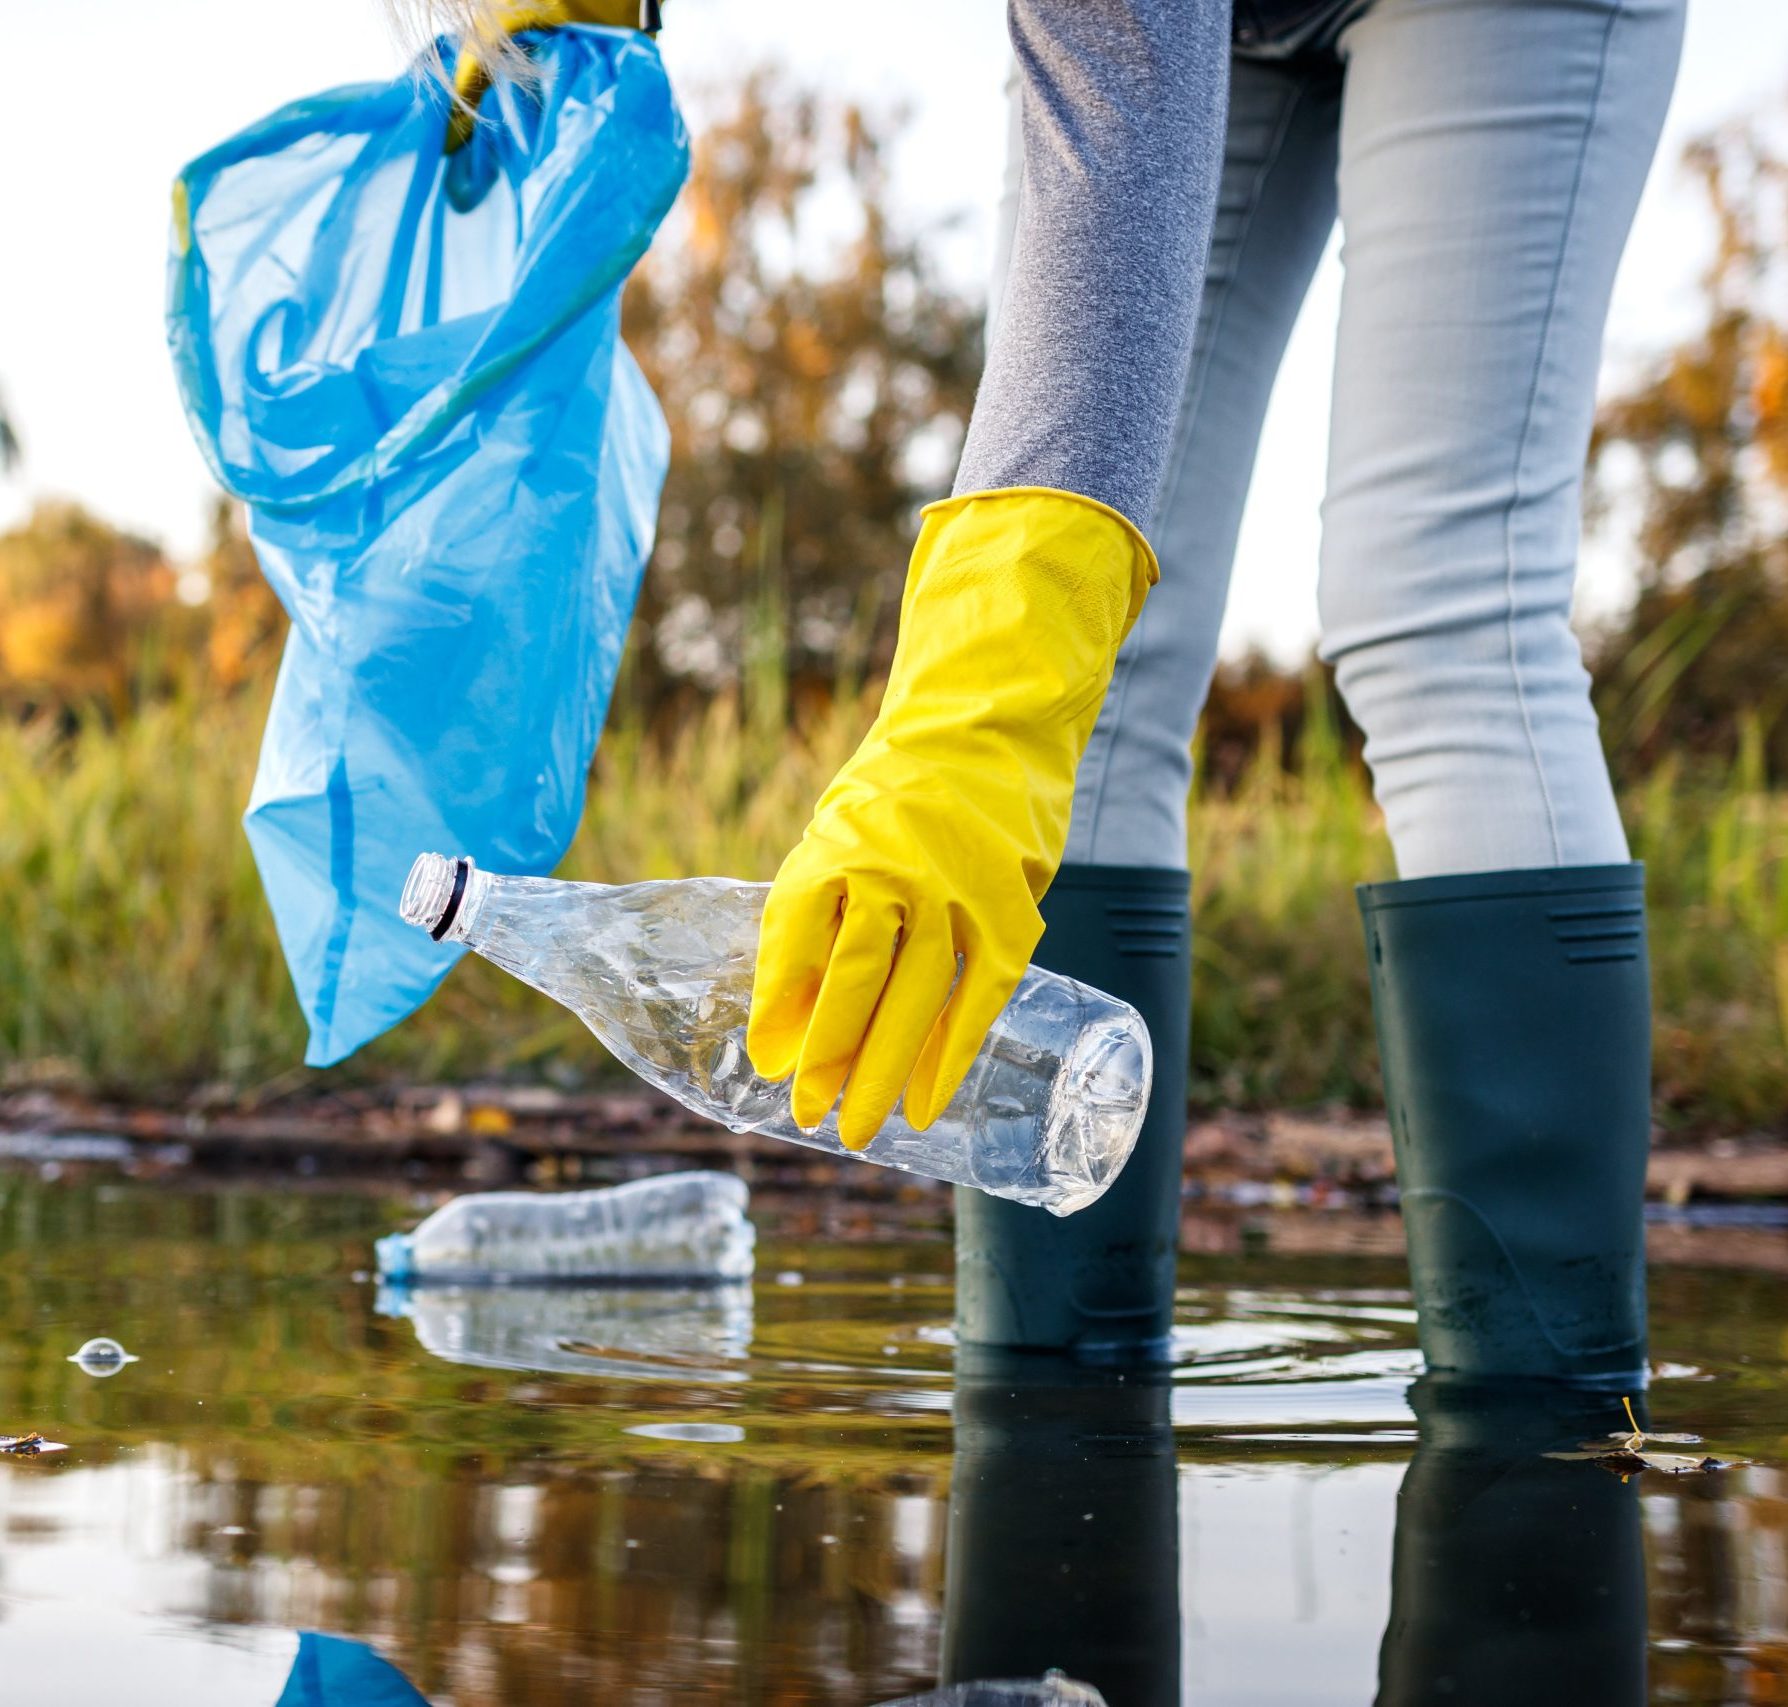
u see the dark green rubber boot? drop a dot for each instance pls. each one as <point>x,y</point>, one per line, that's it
<point>1100,1282</point>
<point>1064,1526</point>
<point>1514,1023</point>
<point>1516,1577</point>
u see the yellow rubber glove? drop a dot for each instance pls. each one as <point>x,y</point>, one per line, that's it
<point>471,76</point>
<point>940,834</point>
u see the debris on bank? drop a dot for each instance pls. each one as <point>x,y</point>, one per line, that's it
<point>495,1135</point>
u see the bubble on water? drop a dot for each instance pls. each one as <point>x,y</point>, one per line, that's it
<point>102,1357</point>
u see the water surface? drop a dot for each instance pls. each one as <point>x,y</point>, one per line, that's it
<point>791,1495</point>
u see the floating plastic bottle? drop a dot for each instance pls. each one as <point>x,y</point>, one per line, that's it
<point>661,973</point>
<point>685,1227</point>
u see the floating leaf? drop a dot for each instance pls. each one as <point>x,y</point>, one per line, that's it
<point>1628,1452</point>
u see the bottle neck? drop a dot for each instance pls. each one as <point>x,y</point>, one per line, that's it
<point>461,923</point>
<point>457,903</point>
<point>444,896</point>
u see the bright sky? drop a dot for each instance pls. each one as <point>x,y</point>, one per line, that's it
<point>98,118</point>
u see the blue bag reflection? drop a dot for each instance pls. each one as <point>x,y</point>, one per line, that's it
<point>331,1671</point>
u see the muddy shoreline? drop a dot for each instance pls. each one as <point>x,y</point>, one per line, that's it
<point>493,1135</point>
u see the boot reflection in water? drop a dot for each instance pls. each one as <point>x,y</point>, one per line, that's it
<point>1516,1577</point>
<point>1064,1527</point>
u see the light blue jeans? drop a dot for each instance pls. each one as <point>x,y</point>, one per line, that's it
<point>1485,158</point>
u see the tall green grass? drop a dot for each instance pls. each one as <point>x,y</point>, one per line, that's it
<point>137,956</point>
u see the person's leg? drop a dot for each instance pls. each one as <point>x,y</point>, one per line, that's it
<point>1275,210</point>
<point>1492,155</point>
<point>1116,916</point>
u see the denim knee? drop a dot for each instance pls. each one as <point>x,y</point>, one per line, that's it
<point>1456,656</point>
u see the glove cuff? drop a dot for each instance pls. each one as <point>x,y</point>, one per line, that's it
<point>1067,510</point>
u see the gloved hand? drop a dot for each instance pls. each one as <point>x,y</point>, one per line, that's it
<point>941,833</point>
<point>471,75</point>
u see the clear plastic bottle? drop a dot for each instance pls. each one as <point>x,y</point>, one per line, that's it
<point>688,1227</point>
<point>661,973</point>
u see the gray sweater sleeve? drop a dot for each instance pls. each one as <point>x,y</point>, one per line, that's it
<point>1123,106</point>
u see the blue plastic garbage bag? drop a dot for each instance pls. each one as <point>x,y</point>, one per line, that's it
<point>408,365</point>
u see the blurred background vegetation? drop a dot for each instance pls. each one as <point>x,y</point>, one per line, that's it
<point>814,407</point>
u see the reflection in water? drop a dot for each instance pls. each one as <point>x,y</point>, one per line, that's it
<point>626,1529</point>
<point>699,1333</point>
<point>1517,1577</point>
<point>330,1671</point>
<point>1047,1692</point>
<point>1064,1534</point>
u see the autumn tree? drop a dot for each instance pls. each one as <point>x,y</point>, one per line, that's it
<point>817,376</point>
<point>81,612</point>
<point>92,616</point>
<point>1694,458</point>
